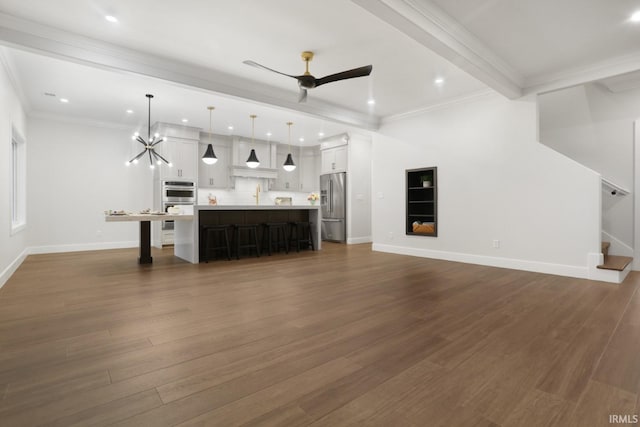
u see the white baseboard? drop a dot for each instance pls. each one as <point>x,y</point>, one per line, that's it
<point>358,240</point>
<point>82,247</point>
<point>11,268</point>
<point>516,264</point>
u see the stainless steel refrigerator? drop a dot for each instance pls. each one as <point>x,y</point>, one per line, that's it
<point>333,201</point>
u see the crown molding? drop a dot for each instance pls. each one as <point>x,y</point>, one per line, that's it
<point>14,79</point>
<point>433,28</point>
<point>42,39</point>
<point>581,75</point>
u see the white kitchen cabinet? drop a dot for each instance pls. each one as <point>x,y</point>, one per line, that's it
<point>216,175</point>
<point>183,155</point>
<point>334,159</point>
<point>309,174</point>
<point>287,181</point>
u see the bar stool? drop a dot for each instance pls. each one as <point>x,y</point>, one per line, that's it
<point>275,232</point>
<point>215,238</point>
<point>251,231</point>
<point>300,233</point>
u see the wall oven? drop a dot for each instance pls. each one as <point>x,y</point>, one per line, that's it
<point>179,192</point>
<point>176,193</point>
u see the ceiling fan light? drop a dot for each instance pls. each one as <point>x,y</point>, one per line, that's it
<point>288,164</point>
<point>253,161</point>
<point>209,156</point>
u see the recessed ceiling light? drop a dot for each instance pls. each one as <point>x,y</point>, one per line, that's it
<point>64,100</point>
<point>185,120</point>
<point>301,139</point>
<point>129,111</point>
<point>371,102</point>
<point>636,16</point>
<point>230,127</point>
<point>438,81</point>
<point>111,18</point>
<point>321,134</point>
<point>269,134</point>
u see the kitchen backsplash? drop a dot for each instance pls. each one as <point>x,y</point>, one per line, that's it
<point>244,191</point>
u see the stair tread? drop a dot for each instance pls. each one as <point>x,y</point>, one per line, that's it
<point>605,245</point>
<point>615,262</point>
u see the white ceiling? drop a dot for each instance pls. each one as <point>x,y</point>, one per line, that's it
<point>194,50</point>
<point>105,96</point>
<point>546,37</point>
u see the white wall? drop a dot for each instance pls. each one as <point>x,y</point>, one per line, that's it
<point>359,189</point>
<point>244,190</point>
<point>76,172</point>
<point>495,182</point>
<point>12,247</point>
<point>594,126</point>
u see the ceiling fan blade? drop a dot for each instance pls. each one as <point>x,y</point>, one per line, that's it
<point>255,64</point>
<point>350,74</point>
<point>302,96</point>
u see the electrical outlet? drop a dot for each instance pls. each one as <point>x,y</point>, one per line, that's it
<point>496,244</point>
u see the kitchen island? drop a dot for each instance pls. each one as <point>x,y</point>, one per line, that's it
<point>187,234</point>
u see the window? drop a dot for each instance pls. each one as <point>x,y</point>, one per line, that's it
<point>18,183</point>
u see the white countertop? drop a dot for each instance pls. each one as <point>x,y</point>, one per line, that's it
<point>254,207</point>
<point>148,217</point>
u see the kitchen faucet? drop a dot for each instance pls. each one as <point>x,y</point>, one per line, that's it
<point>257,195</point>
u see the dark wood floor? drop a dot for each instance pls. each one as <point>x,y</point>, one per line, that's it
<point>337,337</point>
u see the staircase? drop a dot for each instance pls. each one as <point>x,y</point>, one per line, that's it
<point>615,267</point>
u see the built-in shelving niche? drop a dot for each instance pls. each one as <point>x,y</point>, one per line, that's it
<point>422,201</point>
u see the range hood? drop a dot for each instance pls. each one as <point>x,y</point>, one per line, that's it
<point>247,172</point>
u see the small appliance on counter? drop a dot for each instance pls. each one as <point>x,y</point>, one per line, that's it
<point>283,201</point>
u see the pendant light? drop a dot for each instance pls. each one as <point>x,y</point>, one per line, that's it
<point>288,164</point>
<point>149,144</point>
<point>209,156</point>
<point>253,161</point>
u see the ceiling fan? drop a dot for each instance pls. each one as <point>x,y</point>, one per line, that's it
<point>307,81</point>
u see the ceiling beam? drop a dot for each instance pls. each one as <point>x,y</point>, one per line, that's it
<point>430,26</point>
<point>609,68</point>
<point>28,35</point>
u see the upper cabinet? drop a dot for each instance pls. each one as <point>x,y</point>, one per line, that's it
<point>180,147</point>
<point>183,156</point>
<point>287,181</point>
<point>305,177</point>
<point>309,169</point>
<point>334,159</point>
<point>217,174</point>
